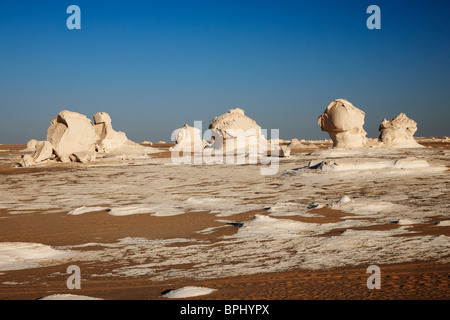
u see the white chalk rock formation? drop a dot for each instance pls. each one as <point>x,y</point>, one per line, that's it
<point>42,151</point>
<point>26,161</point>
<point>277,141</point>
<point>234,131</point>
<point>296,144</point>
<point>71,132</point>
<point>351,165</point>
<point>344,123</point>
<point>188,138</point>
<point>31,145</point>
<point>110,141</point>
<point>398,132</point>
<point>285,151</point>
<point>73,138</point>
<point>83,157</point>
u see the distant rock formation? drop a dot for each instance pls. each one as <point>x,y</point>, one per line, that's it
<point>344,123</point>
<point>188,138</point>
<point>277,141</point>
<point>285,151</point>
<point>234,131</point>
<point>296,144</point>
<point>398,132</point>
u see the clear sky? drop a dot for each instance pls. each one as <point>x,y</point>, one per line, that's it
<point>156,65</point>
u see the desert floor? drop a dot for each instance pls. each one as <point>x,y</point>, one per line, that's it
<point>141,226</point>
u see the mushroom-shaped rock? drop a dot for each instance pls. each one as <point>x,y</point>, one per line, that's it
<point>344,123</point>
<point>235,131</point>
<point>71,132</point>
<point>398,132</point>
<point>187,138</point>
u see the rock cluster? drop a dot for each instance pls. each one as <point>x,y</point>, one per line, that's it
<point>72,137</point>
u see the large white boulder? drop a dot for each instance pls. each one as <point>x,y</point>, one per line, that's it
<point>71,132</point>
<point>344,123</point>
<point>398,132</point>
<point>234,131</point>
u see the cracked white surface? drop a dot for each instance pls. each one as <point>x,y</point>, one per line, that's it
<point>272,241</point>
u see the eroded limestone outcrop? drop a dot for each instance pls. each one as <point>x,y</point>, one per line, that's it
<point>188,139</point>
<point>399,132</point>
<point>72,137</point>
<point>108,140</point>
<point>234,131</point>
<point>43,151</point>
<point>344,123</point>
<point>71,132</point>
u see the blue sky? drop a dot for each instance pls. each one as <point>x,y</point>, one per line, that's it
<point>156,65</point>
